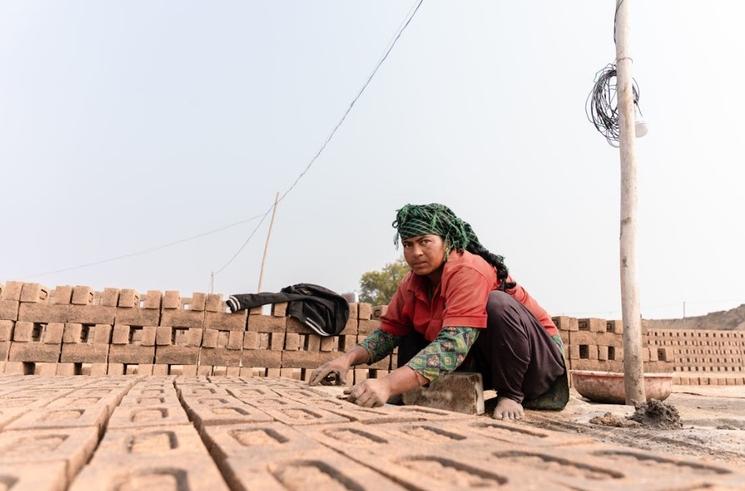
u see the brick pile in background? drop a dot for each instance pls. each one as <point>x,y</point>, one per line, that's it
<point>700,357</point>
<point>75,330</point>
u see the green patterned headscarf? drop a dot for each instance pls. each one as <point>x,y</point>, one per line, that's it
<point>434,219</point>
<point>437,219</point>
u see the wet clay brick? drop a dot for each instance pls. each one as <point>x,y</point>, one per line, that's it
<point>33,293</point>
<point>147,443</point>
<point>250,340</point>
<point>226,322</point>
<point>317,469</point>
<point>300,414</point>
<point>267,323</point>
<point>33,352</point>
<point>301,359</point>
<point>42,312</point>
<point>9,309</point>
<point>235,340</point>
<point>91,314</point>
<point>163,335</point>
<point>63,417</point>
<point>279,309</point>
<point>220,357</point>
<point>198,301</point>
<point>130,353</point>
<point>6,330</point>
<point>564,323</point>
<point>592,325</point>
<point>81,295</point>
<point>171,300</point>
<point>138,316</point>
<point>615,327</point>
<point>292,341</point>
<point>109,297</point>
<point>350,328</point>
<point>461,392</point>
<point>128,417</point>
<point>313,342</point>
<point>259,441</point>
<point>330,343</point>
<point>152,300</point>
<point>222,410</point>
<point>9,414</point>
<point>128,298</point>
<point>214,303</point>
<point>61,295</point>
<point>44,476</point>
<point>177,355</point>
<point>351,436</point>
<point>261,358</point>
<point>364,311</point>
<point>11,291</point>
<point>187,472</point>
<point>277,341</point>
<point>120,334</point>
<point>182,318</point>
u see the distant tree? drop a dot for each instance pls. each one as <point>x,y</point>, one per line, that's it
<point>377,287</point>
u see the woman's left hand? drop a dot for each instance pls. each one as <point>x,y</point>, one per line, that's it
<point>370,393</point>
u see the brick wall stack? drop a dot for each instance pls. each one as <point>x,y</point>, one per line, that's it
<point>76,330</point>
<point>597,344</point>
<point>702,357</point>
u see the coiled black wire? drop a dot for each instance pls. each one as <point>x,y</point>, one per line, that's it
<point>602,104</point>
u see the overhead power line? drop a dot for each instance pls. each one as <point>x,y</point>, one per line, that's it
<point>407,20</point>
<point>405,23</point>
<point>148,250</point>
<point>391,45</point>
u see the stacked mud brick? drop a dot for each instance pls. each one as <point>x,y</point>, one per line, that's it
<point>597,344</point>
<point>219,433</point>
<point>75,330</point>
<point>703,357</point>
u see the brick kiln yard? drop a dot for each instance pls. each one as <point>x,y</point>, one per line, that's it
<point>122,391</point>
<point>218,432</point>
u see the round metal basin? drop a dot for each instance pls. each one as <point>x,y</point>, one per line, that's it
<point>607,387</point>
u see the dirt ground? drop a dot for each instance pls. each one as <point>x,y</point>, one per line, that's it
<point>713,423</point>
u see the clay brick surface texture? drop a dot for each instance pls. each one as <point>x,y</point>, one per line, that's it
<point>247,433</point>
<point>187,396</point>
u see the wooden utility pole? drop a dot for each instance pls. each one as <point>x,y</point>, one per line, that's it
<point>633,366</point>
<point>266,244</point>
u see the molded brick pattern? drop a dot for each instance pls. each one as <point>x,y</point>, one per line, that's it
<point>70,446</point>
<point>44,476</point>
<point>156,458</point>
<point>346,447</point>
<point>222,410</point>
<point>69,415</point>
<point>158,414</point>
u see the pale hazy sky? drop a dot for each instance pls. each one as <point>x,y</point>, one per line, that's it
<point>127,125</point>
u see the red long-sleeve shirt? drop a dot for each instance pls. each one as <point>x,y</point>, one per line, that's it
<point>458,301</point>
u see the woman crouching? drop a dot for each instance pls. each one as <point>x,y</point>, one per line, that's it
<point>459,309</point>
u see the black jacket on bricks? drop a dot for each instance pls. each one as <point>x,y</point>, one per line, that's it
<point>317,307</point>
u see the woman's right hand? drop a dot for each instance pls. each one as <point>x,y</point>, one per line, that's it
<point>338,366</point>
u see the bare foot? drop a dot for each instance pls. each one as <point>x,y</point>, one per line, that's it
<point>507,409</point>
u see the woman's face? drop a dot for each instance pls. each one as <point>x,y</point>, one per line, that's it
<point>424,253</point>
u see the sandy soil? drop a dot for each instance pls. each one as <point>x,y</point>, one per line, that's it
<point>713,423</point>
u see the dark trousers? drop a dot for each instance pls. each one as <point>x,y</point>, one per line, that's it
<point>514,354</point>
